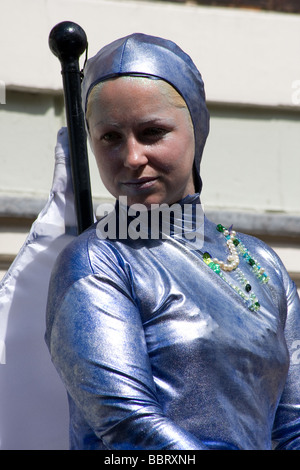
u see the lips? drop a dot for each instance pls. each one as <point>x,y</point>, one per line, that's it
<point>140,183</point>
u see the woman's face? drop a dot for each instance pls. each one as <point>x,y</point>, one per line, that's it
<point>143,141</point>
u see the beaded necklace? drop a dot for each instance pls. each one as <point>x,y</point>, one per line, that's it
<point>236,249</point>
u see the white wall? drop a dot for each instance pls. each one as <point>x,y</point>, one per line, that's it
<point>250,64</point>
<point>249,61</point>
<point>252,161</point>
<point>246,58</point>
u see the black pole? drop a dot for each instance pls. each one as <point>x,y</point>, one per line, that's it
<point>68,41</point>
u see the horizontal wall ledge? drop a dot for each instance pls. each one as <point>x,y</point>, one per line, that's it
<point>255,106</point>
<point>222,104</point>
<point>5,261</point>
<point>267,224</point>
<point>20,207</point>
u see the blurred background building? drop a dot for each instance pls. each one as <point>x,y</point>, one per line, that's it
<point>249,55</point>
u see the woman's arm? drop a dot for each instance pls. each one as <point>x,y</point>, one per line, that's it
<point>97,343</point>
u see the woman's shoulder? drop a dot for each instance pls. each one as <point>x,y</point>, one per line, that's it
<point>87,254</point>
<point>76,264</point>
<point>74,257</point>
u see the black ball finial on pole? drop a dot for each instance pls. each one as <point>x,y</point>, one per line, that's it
<point>68,41</point>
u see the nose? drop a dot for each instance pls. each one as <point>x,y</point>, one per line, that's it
<point>134,154</point>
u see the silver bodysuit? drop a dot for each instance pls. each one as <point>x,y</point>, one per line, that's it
<point>157,351</point>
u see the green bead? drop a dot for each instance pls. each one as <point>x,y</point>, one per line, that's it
<point>220,228</point>
<point>251,262</point>
<point>236,242</point>
<point>215,267</point>
<point>206,258</point>
<point>247,288</point>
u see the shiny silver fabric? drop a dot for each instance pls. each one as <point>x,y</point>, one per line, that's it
<point>158,352</point>
<point>140,54</point>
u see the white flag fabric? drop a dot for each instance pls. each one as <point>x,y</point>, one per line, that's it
<point>33,402</point>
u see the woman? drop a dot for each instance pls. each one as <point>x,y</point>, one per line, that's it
<point>170,342</point>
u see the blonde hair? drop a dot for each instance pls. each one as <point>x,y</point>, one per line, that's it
<point>168,91</point>
<point>94,93</point>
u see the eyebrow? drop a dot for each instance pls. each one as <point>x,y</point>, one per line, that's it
<point>105,123</point>
<point>148,120</point>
